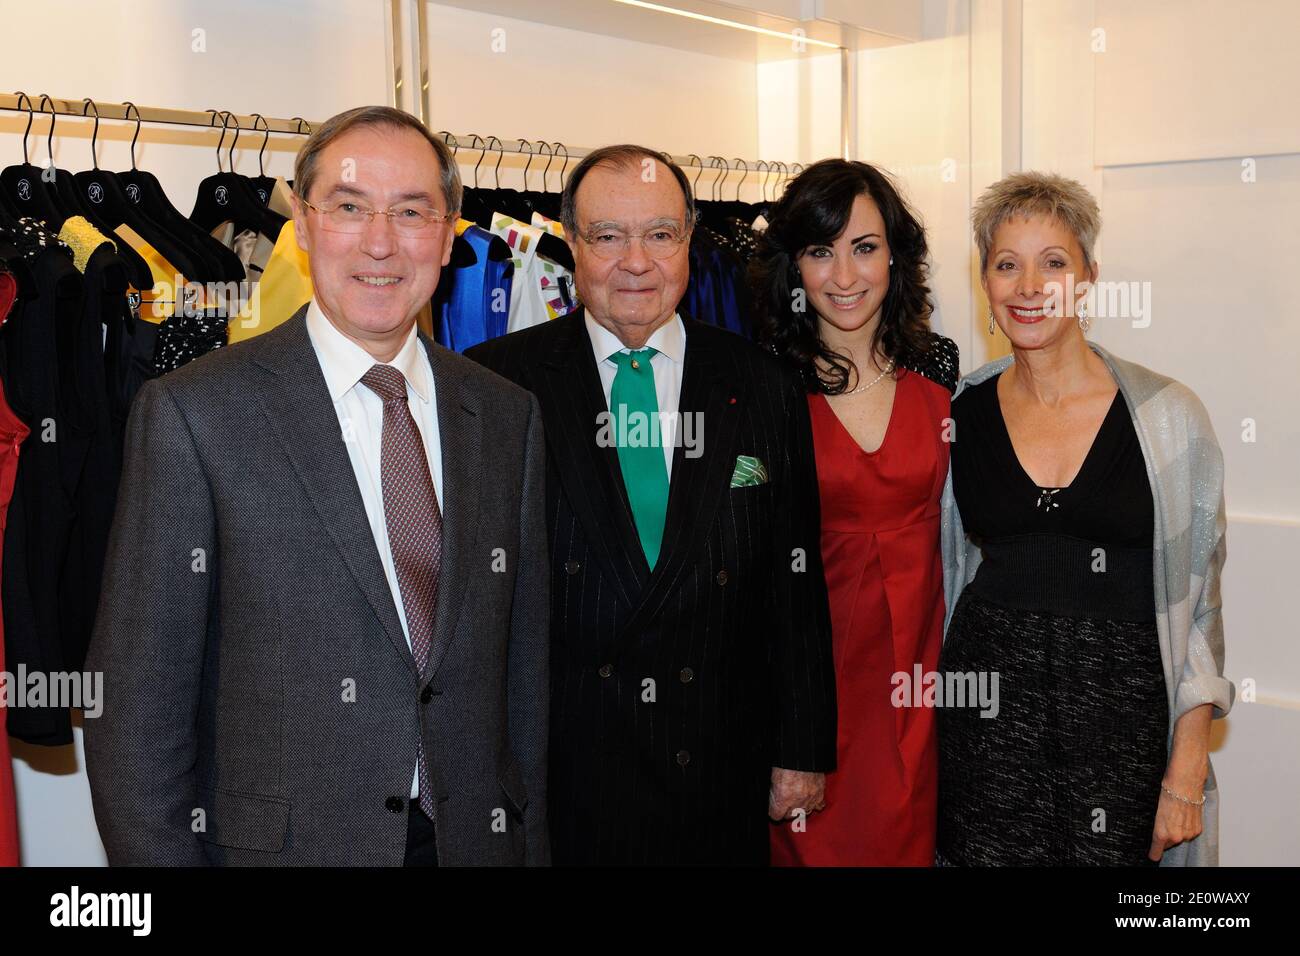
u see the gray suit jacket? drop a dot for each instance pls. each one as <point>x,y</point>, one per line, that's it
<point>261,703</point>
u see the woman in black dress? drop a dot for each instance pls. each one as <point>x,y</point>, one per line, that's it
<point>1074,764</point>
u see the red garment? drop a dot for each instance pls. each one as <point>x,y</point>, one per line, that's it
<point>12,433</point>
<point>884,575</point>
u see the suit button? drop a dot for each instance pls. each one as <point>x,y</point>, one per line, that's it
<point>722,576</point>
<point>426,695</point>
<point>606,670</point>
<point>395,804</point>
<point>687,675</point>
<point>571,567</point>
<point>683,758</point>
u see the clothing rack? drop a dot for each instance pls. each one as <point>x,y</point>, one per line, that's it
<point>216,119</point>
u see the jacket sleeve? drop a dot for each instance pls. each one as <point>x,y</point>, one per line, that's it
<point>1202,680</point>
<point>529,654</point>
<point>148,643</point>
<point>803,674</point>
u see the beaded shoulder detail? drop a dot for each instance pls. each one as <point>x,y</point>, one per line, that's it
<point>940,363</point>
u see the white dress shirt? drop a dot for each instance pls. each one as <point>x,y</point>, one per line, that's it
<point>669,341</point>
<point>361,419</point>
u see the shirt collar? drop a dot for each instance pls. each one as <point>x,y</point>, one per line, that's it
<point>669,339</point>
<point>344,362</point>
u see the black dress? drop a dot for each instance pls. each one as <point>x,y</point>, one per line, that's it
<point>1062,608</point>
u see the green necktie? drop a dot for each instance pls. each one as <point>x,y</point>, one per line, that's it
<point>634,417</point>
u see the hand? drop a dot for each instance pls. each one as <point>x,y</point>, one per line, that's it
<point>1176,822</point>
<point>795,790</point>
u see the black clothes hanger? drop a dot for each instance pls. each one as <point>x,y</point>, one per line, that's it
<point>552,247</point>
<point>106,196</point>
<point>60,182</point>
<point>497,198</point>
<point>708,208</point>
<point>546,201</point>
<point>262,184</point>
<point>301,123</point>
<point>143,190</point>
<point>473,204</point>
<point>227,197</point>
<point>27,188</point>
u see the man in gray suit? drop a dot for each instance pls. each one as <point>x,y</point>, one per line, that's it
<point>323,626</point>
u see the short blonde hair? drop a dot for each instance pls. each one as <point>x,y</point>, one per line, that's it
<point>1022,195</point>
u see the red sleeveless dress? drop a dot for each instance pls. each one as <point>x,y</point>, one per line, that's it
<point>12,433</point>
<point>884,575</point>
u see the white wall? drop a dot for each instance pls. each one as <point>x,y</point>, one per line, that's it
<point>914,120</point>
<point>490,74</point>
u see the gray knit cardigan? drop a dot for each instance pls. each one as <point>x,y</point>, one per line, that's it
<point>1185,468</point>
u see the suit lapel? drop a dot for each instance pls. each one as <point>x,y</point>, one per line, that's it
<point>460,432</point>
<point>570,386</point>
<point>715,398</point>
<point>301,413</point>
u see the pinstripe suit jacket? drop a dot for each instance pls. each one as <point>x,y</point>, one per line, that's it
<point>262,706</point>
<point>676,690</point>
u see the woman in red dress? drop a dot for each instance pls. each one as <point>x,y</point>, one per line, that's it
<point>840,283</point>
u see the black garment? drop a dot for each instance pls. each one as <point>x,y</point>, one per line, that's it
<point>421,838</point>
<point>38,532</point>
<point>187,334</point>
<point>129,349</point>
<point>940,362</point>
<point>93,464</point>
<point>1062,609</point>
<point>675,691</point>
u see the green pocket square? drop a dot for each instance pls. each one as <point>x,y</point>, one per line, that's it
<point>749,472</point>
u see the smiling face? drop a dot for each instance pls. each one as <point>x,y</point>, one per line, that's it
<point>633,293</point>
<point>846,280</point>
<point>1034,264</point>
<point>371,285</point>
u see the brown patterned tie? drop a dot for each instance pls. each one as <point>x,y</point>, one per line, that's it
<point>414,525</point>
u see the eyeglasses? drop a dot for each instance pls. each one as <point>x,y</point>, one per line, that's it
<point>660,243</point>
<point>349,217</point>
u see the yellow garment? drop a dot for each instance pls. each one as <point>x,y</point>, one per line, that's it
<point>158,303</point>
<point>284,289</point>
<point>83,238</point>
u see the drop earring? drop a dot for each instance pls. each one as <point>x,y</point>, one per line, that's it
<point>1082,313</point>
<point>891,260</point>
<point>990,321</point>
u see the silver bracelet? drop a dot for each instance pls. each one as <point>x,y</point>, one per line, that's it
<point>1179,796</point>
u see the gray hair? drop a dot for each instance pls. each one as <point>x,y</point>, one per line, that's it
<point>304,167</point>
<point>622,156</point>
<point>1022,195</point>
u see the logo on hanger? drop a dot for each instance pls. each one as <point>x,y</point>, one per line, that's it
<point>262,194</point>
<point>221,196</point>
<point>133,192</point>
<point>96,192</point>
<point>24,190</point>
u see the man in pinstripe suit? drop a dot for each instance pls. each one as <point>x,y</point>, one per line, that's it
<point>692,682</point>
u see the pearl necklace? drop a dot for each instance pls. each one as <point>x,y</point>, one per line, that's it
<point>862,388</point>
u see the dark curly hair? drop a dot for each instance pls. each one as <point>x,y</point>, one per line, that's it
<point>814,210</point>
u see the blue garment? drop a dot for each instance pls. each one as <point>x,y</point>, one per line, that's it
<point>717,293</point>
<point>472,301</point>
